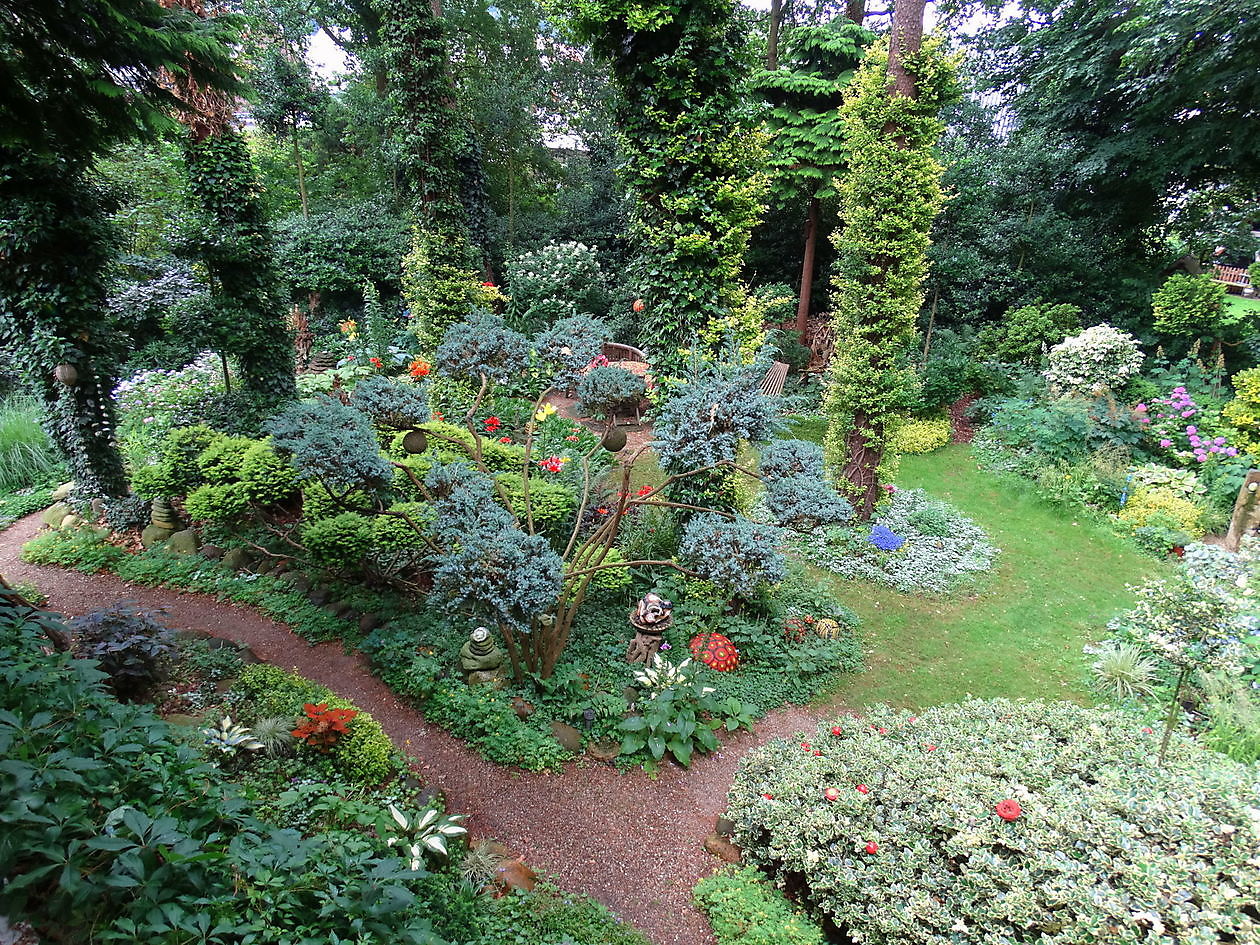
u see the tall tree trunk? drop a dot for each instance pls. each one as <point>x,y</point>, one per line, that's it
<point>772,43</point>
<point>301,172</point>
<point>855,10</point>
<point>907,37</point>
<point>807,271</point>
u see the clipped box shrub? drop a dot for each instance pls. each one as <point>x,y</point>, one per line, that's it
<point>217,502</point>
<point>365,755</point>
<point>221,460</point>
<point>340,541</point>
<point>267,478</point>
<point>996,821</point>
<point>921,436</point>
<point>552,503</point>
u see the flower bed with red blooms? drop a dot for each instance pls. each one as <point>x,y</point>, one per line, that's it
<point>997,821</point>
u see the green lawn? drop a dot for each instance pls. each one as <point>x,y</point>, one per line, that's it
<point>1019,631</point>
<point>1237,305</point>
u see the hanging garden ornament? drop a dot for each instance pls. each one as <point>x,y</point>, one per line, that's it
<point>639,305</point>
<point>614,440</point>
<point>66,374</point>
<point>416,441</point>
<point>715,651</point>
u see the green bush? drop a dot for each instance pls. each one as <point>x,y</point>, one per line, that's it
<point>1025,332</point>
<point>222,459</point>
<point>606,391</point>
<point>217,502</point>
<point>395,533</point>
<point>268,479</point>
<point>1188,306</point>
<point>84,549</point>
<point>922,839</point>
<point>921,436</point>
<point>318,504</point>
<point>1170,506</point>
<point>340,541</point>
<point>498,457</point>
<point>744,909</point>
<point>552,503</point>
<point>1243,412</point>
<point>27,456</point>
<point>364,756</point>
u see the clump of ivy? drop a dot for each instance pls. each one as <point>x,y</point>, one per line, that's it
<point>695,173</point>
<point>888,200</point>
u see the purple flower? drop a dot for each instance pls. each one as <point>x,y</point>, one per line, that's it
<point>664,646</point>
<point>1187,413</point>
<point>1231,452</point>
<point>1192,430</point>
<point>1219,441</point>
<point>1165,443</point>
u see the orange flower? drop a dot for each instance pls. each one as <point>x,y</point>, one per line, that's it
<point>420,368</point>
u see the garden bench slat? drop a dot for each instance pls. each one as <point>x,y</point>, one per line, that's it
<point>776,377</point>
<point>1231,275</point>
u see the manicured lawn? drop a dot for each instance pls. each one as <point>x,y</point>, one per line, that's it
<point>1237,305</point>
<point>1019,631</point>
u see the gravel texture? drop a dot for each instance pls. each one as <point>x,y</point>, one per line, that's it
<point>629,840</point>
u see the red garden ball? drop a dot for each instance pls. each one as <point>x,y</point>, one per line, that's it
<point>872,848</point>
<point>863,789</point>
<point>1008,809</point>
<point>715,651</point>
<point>638,305</point>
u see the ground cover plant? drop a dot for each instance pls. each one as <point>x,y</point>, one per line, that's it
<point>1017,821</point>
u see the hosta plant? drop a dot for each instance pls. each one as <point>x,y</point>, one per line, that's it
<point>998,821</point>
<point>428,830</point>
<point>230,737</point>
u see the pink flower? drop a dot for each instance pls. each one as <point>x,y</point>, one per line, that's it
<point>1165,443</point>
<point>863,789</point>
<point>1192,430</point>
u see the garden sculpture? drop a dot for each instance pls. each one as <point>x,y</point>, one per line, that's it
<point>650,618</point>
<point>481,659</point>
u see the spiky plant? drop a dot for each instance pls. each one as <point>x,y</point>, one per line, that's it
<point>480,866</point>
<point>276,734</point>
<point>1123,671</point>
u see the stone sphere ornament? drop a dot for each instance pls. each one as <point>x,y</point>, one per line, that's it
<point>416,441</point>
<point>66,374</point>
<point>716,651</point>
<point>614,440</point>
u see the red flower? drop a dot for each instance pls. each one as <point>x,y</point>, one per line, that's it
<point>488,285</point>
<point>551,464</point>
<point>817,751</point>
<point>601,510</point>
<point>805,745</point>
<point>1147,730</point>
<point>872,848</point>
<point>883,731</point>
<point>1008,809</point>
<point>492,424</point>
<point>832,794</point>
<point>438,417</point>
<point>863,789</point>
<point>931,748</point>
<point>572,439</point>
<point>913,718</point>
<point>768,797</point>
<point>505,439</point>
<point>419,367</point>
<point>638,305</point>
<point>375,362</point>
<point>646,490</point>
<point>837,730</point>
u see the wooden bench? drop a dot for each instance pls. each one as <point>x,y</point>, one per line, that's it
<point>616,352</point>
<point>776,377</point>
<point>1232,276</point>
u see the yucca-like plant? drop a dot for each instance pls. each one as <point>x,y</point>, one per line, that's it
<point>480,865</point>
<point>276,734</point>
<point>428,830</point>
<point>230,737</point>
<point>1123,671</point>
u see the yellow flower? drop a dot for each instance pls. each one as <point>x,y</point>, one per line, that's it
<point>349,327</point>
<point>545,411</point>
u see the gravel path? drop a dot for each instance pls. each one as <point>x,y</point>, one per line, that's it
<point>630,841</point>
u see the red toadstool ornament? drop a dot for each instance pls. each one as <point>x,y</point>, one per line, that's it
<point>832,794</point>
<point>638,305</point>
<point>715,651</point>
<point>872,848</point>
<point>1008,809</point>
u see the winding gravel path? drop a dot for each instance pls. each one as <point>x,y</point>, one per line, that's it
<point>630,841</point>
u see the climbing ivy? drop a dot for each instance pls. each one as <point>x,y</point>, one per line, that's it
<point>888,199</point>
<point>55,243</point>
<point>440,283</point>
<point>240,313</point>
<point>694,171</point>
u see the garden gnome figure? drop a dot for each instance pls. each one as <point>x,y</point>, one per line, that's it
<point>650,618</point>
<point>482,659</point>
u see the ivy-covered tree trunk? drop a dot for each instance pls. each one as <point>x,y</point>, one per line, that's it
<point>694,172</point>
<point>54,246</point>
<point>440,275</point>
<point>888,199</point>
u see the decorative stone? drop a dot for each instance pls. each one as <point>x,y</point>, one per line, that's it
<point>317,596</point>
<point>722,848</point>
<point>416,441</point>
<point>98,509</point>
<point>211,552</point>
<point>55,513</point>
<point>62,492</point>
<point>299,581</point>
<point>570,739</point>
<point>179,718</point>
<point>522,708</point>
<point>643,648</point>
<point>322,361</point>
<point>71,521</point>
<point>236,559</point>
<point>480,653</point>
<point>650,618</point>
<point>716,651</point>
<point>604,751</point>
<point>153,535</point>
<point>487,677</point>
<point>66,374</point>
<point>725,827</point>
<point>163,515</point>
<point>183,542</point>
<point>368,622</point>
<point>614,440</point>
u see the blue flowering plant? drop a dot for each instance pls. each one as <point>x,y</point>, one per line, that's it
<point>885,539</point>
